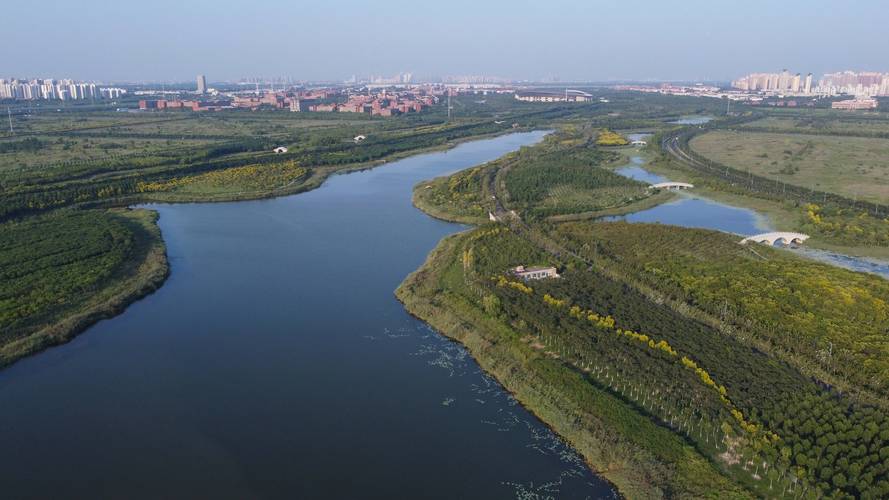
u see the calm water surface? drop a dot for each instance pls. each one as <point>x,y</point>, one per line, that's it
<point>692,120</point>
<point>693,211</point>
<point>276,363</point>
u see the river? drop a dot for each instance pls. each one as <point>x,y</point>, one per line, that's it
<point>692,120</point>
<point>691,210</point>
<point>275,362</point>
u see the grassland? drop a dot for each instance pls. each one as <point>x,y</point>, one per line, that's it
<point>808,124</point>
<point>799,189</point>
<point>64,271</point>
<point>786,215</point>
<point>854,167</point>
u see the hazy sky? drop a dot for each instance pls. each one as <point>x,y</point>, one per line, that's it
<point>333,39</point>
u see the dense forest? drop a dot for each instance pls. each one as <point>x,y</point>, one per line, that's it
<point>454,293</point>
<point>563,174</point>
<point>826,319</point>
<point>568,180</point>
<point>71,262</point>
<point>762,421</point>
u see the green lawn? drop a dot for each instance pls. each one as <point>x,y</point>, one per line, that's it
<point>855,167</point>
<point>822,125</point>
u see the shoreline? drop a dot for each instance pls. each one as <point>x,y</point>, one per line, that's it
<point>595,435</point>
<point>315,180</point>
<point>626,480</point>
<point>405,297</point>
<point>780,217</point>
<point>144,278</point>
<point>150,274</point>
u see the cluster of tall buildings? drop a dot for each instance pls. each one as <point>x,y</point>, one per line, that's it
<point>50,89</point>
<point>783,82</point>
<point>399,79</point>
<point>861,84</point>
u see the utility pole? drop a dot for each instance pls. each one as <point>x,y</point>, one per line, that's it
<point>9,113</point>
<point>449,104</point>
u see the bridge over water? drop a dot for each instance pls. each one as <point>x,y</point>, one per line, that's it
<point>671,185</point>
<point>771,238</point>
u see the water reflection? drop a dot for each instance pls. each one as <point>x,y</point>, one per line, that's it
<point>702,213</point>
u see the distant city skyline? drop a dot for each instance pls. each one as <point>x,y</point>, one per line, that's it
<point>844,81</point>
<point>571,40</point>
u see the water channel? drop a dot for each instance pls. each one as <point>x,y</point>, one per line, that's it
<point>691,210</point>
<point>276,363</point>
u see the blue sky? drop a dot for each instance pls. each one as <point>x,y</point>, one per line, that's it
<point>333,39</point>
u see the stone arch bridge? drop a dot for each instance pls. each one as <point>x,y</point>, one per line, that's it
<point>671,185</point>
<point>772,238</point>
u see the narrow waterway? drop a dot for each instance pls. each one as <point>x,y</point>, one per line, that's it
<point>692,120</point>
<point>276,363</point>
<point>691,210</point>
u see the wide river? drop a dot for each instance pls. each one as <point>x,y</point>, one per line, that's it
<point>276,363</point>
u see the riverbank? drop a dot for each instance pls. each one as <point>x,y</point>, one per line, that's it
<point>704,368</point>
<point>316,177</point>
<point>642,459</point>
<point>140,273</point>
<point>273,304</point>
<point>146,270</point>
<point>773,215</point>
<point>780,217</point>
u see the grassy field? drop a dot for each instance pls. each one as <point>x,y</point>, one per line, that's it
<point>822,125</point>
<point>855,167</point>
<point>49,121</point>
<point>64,271</point>
<point>60,152</point>
<point>781,216</point>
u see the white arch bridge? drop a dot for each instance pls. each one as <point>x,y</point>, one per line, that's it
<point>671,185</point>
<point>780,236</point>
